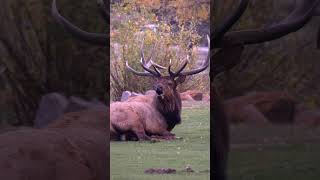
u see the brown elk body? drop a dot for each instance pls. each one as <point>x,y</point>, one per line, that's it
<point>147,115</point>
<point>230,46</point>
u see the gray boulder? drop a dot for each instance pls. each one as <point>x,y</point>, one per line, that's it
<point>78,104</point>
<point>125,95</point>
<point>50,108</point>
<point>55,105</point>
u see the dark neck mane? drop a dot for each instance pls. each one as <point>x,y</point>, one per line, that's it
<point>170,108</point>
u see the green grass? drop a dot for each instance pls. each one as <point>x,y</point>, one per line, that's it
<point>130,159</point>
<point>274,152</point>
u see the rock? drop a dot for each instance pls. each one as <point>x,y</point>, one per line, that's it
<point>186,97</point>
<point>125,95</point>
<point>50,108</point>
<point>194,94</point>
<point>94,119</point>
<point>79,104</point>
<point>54,105</point>
<point>308,118</point>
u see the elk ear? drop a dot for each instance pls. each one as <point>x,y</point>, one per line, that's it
<point>180,79</point>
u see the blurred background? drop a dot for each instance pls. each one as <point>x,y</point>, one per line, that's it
<point>290,63</point>
<point>39,57</point>
<point>272,96</point>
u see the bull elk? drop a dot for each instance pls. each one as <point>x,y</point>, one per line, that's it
<point>152,115</point>
<point>230,46</point>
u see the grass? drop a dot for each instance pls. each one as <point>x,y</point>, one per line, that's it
<point>130,159</point>
<point>274,152</point>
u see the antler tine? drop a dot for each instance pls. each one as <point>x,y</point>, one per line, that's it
<point>175,74</point>
<point>156,70</point>
<point>141,52</point>
<point>149,70</point>
<point>204,65</point>
<point>137,72</point>
<point>152,52</point>
<point>94,38</point>
<point>230,20</point>
<point>144,63</point>
<point>103,9</point>
<point>172,74</point>
<point>182,67</point>
<point>157,65</point>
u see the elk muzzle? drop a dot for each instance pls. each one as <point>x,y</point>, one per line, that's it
<point>159,91</point>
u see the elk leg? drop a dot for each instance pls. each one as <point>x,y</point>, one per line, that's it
<point>141,134</point>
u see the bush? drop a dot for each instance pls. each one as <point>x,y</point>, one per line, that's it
<point>129,33</point>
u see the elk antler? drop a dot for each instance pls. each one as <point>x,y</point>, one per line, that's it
<point>230,20</point>
<point>233,43</point>
<point>145,66</point>
<point>301,14</point>
<point>191,72</point>
<point>94,38</point>
<point>104,10</point>
<point>179,72</point>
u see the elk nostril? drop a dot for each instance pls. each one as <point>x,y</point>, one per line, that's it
<point>159,91</point>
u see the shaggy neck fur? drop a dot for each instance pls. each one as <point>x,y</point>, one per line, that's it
<point>170,108</point>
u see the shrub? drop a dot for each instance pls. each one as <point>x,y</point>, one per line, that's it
<point>129,33</point>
